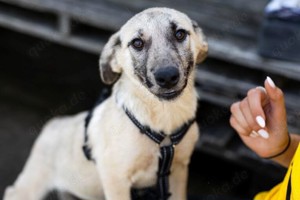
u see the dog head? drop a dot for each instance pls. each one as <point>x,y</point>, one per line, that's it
<point>157,48</point>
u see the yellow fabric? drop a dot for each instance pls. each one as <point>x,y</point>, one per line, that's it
<point>279,191</point>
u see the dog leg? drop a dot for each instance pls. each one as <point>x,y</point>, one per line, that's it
<point>178,182</point>
<point>34,182</point>
<point>116,188</point>
<point>115,184</point>
<point>30,185</point>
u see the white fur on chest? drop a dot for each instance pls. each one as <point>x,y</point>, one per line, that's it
<point>160,115</point>
<point>118,143</point>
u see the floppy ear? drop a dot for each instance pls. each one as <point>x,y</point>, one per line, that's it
<point>110,70</point>
<point>202,45</point>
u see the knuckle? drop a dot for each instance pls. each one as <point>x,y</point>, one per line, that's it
<point>247,130</point>
<point>232,121</point>
<point>244,132</point>
<point>251,92</point>
<point>246,126</point>
<point>234,124</point>
<point>234,107</point>
<point>244,104</point>
<point>279,94</point>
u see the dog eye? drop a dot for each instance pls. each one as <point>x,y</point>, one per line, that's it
<point>138,44</point>
<point>180,35</point>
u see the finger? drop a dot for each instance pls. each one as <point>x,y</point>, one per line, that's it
<point>245,109</point>
<point>256,98</point>
<point>265,100</point>
<point>276,97</point>
<point>254,134</point>
<point>277,111</point>
<point>236,125</point>
<point>239,117</point>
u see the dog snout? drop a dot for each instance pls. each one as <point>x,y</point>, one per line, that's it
<point>167,77</point>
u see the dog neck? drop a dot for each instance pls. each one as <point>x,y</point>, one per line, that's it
<point>160,115</point>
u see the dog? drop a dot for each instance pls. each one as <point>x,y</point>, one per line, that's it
<point>151,61</point>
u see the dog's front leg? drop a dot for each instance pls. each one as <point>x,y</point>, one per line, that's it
<point>178,181</point>
<point>115,184</point>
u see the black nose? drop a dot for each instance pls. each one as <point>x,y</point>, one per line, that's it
<point>167,77</point>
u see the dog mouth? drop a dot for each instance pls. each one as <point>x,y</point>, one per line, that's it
<point>169,95</point>
<point>163,94</point>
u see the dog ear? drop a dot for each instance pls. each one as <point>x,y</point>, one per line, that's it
<point>202,45</point>
<point>110,70</point>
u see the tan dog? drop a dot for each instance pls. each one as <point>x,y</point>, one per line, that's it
<point>151,60</point>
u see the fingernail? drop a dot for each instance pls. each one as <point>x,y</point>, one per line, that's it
<point>262,89</point>
<point>253,134</point>
<point>271,82</point>
<point>261,122</point>
<point>263,133</point>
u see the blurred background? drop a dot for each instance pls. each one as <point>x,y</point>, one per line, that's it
<point>49,52</point>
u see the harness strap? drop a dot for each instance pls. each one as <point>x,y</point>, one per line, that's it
<point>177,136</point>
<point>87,151</point>
<point>161,190</point>
<point>167,152</point>
<point>165,163</point>
<point>156,137</point>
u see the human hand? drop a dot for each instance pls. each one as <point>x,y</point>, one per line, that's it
<point>260,120</point>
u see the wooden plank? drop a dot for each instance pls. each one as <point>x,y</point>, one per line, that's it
<point>246,55</point>
<point>37,29</point>
<point>100,14</point>
<point>236,21</point>
<point>110,16</point>
<point>50,34</point>
<point>233,87</point>
<point>215,98</point>
<point>221,137</point>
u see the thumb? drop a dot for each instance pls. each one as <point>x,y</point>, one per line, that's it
<point>277,111</point>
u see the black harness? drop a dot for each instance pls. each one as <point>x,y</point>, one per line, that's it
<point>105,93</point>
<point>161,190</point>
<point>167,153</point>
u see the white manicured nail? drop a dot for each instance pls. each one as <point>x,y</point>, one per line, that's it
<point>271,82</point>
<point>261,122</point>
<point>253,134</point>
<point>263,133</point>
<point>262,89</point>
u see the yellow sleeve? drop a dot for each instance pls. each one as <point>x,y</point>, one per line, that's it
<point>296,176</point>
<point>279,191</point>
<point>270,195</point>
